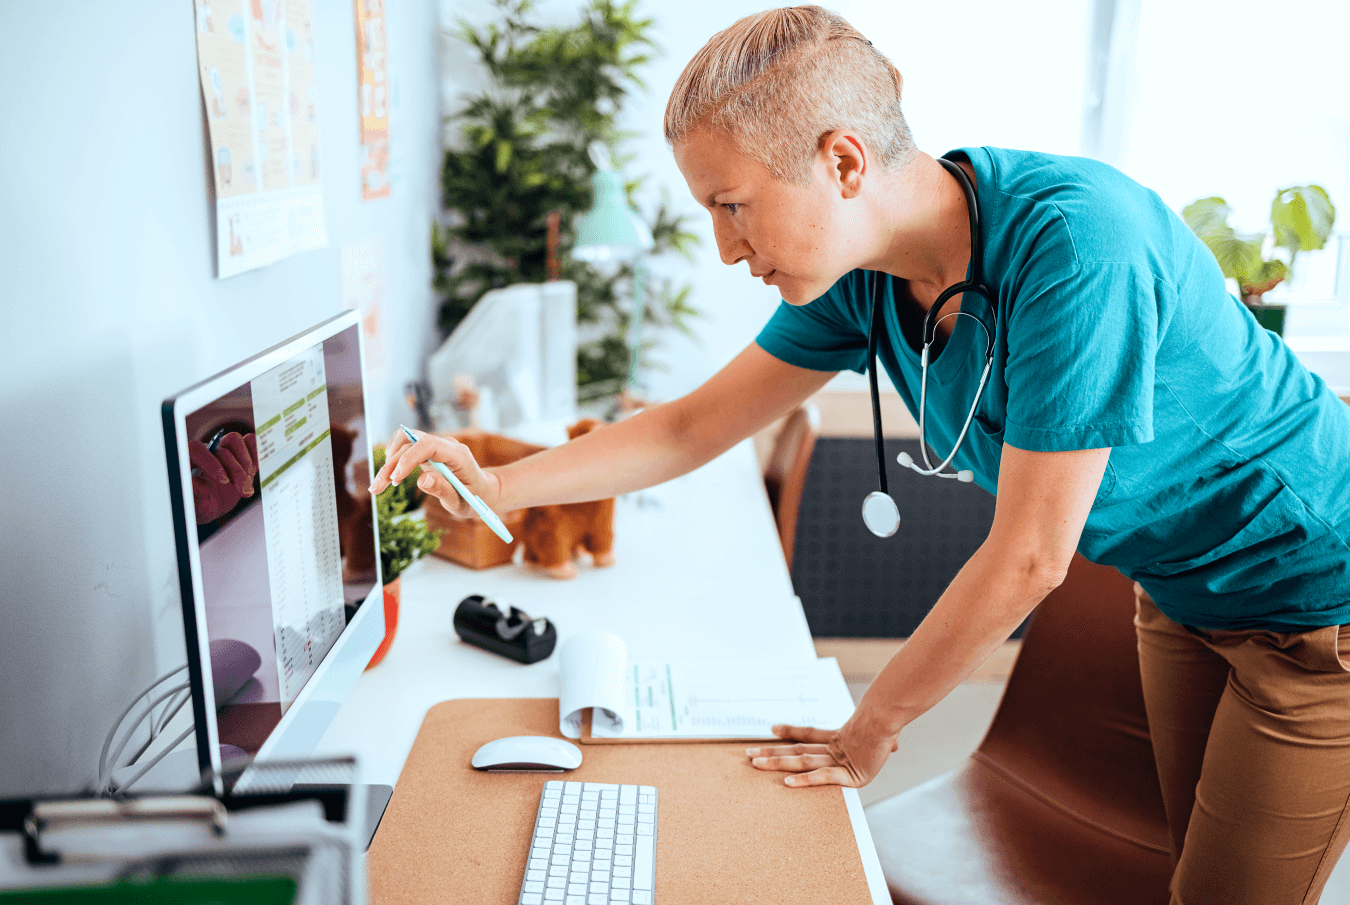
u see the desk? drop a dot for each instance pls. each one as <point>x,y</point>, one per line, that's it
<point>699,574</point>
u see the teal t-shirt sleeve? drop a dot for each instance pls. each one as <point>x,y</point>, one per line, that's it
<point>1082,348</point>
<point>823,335</point>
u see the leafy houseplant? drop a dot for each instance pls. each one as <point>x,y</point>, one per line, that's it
<point>1301,218</point>
<point>404,538</point>
<point>523,155</point>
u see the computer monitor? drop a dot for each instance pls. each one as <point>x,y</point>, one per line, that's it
<point>269,462</point>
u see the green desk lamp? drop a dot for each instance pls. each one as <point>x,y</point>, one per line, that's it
<point>611,231</point>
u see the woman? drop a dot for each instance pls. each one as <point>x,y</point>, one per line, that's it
<point>1134,411</point>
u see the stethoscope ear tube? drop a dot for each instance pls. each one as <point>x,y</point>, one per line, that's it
<point>880,513</point>
<point>872,381</point>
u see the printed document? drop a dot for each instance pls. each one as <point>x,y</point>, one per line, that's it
<point>259,81</point>
<point>677,700</point>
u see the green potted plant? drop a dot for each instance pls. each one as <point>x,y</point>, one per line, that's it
<point>521,157</point>
<point>1301,218</point>
<point>404,539</point>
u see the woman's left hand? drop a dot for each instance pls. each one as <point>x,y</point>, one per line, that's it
<point>849,756</point>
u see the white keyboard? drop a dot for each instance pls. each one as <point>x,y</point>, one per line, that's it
<point>594,844</point>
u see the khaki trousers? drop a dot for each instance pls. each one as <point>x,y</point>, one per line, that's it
<point>1251,732</point>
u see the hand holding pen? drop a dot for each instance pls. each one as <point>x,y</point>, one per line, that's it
<point>449,473</point>
<point>222,473</point>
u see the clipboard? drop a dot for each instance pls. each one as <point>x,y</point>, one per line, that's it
<point>268,843</point>
<point>728,832</point>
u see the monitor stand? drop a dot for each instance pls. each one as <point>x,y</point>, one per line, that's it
<point>377,799</point>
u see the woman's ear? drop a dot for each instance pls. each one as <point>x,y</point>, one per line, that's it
<point>846,157</point>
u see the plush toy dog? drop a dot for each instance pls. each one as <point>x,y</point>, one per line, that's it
<point>553,535</point>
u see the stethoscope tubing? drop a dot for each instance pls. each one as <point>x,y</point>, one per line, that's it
<point>932,318</point>
<point>965,428</point>
<point>872,382</point>
<point>976,282</point>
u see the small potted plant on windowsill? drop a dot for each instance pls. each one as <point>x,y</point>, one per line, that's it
<point>1301,218</point>
<point>404,539</point>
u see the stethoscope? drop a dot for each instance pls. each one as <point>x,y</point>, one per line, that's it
<point>879,511</point>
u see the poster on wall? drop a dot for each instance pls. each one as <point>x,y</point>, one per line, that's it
<point>259,86</point>
<point>374,97</point>
<point>362,281</point>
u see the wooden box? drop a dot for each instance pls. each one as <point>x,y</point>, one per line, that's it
<point>471,542</point>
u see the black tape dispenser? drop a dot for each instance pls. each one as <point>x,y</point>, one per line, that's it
<point>504,630</point>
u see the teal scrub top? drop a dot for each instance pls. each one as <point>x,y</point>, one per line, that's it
<point>1227,491</point>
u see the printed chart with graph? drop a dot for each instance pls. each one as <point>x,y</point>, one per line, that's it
<point>730,700</point>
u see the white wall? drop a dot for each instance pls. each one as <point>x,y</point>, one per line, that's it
<point>109,304</point>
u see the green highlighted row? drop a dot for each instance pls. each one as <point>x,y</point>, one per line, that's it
<point>297,457</point>
<point>291,410</point>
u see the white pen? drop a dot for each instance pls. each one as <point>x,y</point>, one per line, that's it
<point>477,505</point>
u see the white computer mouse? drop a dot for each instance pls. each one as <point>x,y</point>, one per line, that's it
<point>528,754</point>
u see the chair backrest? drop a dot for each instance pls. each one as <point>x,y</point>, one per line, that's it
<point>785,473</point>
<point>1071,725</point>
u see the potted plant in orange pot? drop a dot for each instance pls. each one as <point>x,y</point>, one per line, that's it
<point>404,539</point>
<point>1301,218</point>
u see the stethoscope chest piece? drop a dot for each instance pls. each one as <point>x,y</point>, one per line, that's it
<point>880,514</point>
<point>879,511</point>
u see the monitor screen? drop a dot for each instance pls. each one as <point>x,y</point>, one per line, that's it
<point>270,461</point>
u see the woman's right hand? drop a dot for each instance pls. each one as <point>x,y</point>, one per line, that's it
<point>402,456</point>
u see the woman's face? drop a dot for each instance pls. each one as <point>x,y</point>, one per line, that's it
<point>795,238</point>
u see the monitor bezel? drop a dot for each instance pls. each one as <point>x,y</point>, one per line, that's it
<point>175,411</point>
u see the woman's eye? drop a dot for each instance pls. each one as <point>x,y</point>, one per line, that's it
<point>732,207</point>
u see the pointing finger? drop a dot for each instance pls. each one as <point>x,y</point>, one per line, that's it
<point>393,451</point>
<point>414,454</point>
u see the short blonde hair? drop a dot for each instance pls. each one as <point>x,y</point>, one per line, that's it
<point>779,80</point>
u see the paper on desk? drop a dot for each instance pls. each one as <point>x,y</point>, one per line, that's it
<point>652,700</point>
<point>592,676</point>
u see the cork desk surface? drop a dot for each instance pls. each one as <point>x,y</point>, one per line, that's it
<point>699,574</point>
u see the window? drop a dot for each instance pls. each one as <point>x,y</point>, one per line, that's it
<point>986,72</point>
<point>1240,99</point>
